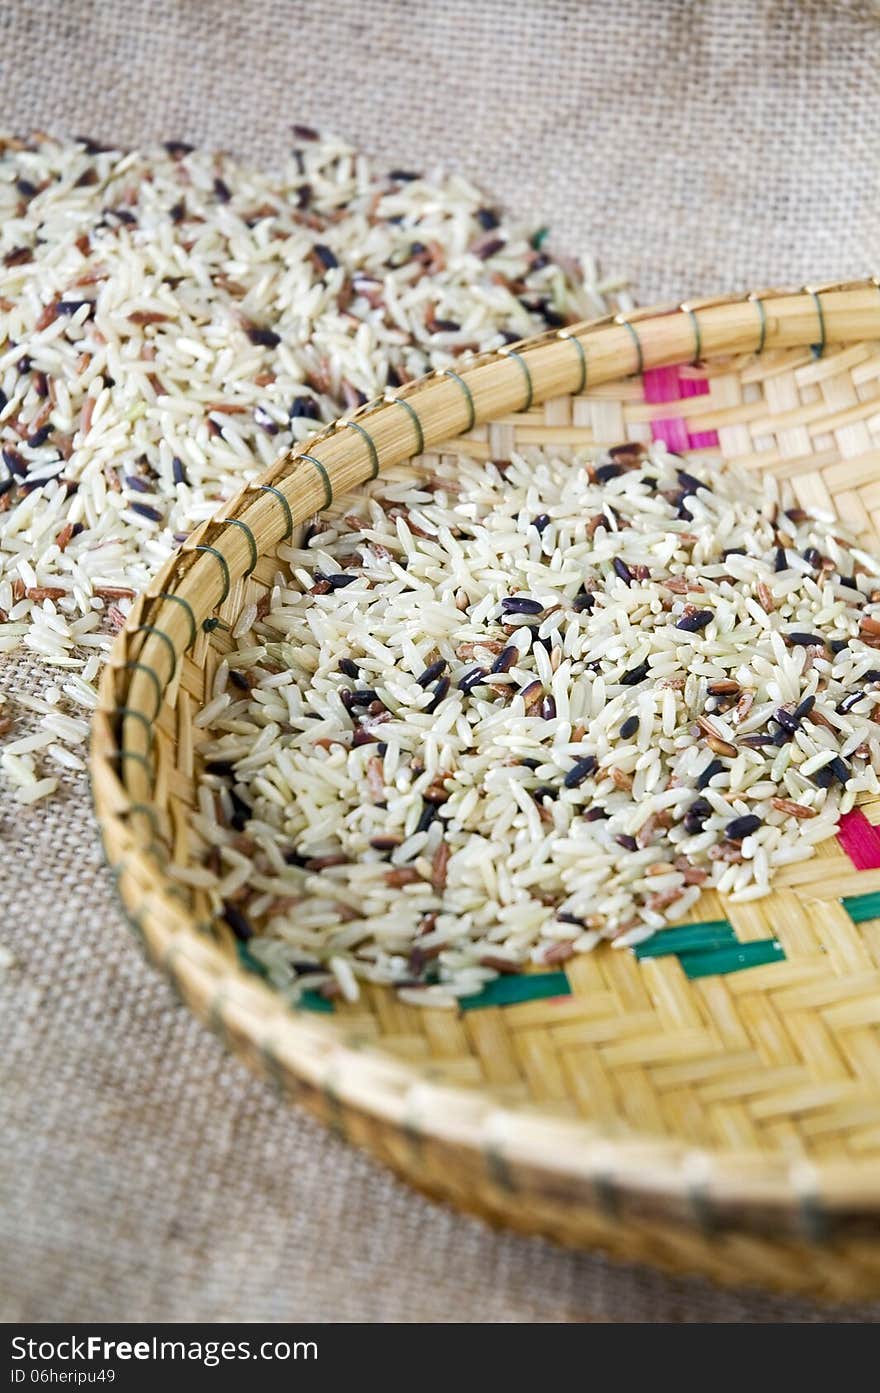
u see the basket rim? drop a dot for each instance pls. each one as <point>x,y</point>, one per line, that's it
<point>706,1187</point>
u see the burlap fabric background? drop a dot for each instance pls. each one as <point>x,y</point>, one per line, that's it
<point>698,147</point>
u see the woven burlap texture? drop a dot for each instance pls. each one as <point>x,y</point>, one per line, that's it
<point>144,1175</point>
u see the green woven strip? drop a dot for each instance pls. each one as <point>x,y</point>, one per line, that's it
<point>862,907</point>
<point>325,477</point>
<point>509,991</point>
<point>247,959</point>
<point>252,542</point>
<point>714,933</point>
<point>716,962</point>
<point>371,446</point>
<point>179,600</point>
<point>311,1001</point>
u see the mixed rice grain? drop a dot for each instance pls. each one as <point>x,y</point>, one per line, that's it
<point>171,321</point>
<point>500,742</point>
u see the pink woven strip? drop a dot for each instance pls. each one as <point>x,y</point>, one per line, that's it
<point>703,440</point>
<point>674,384</point>
<point>693,386</point>
<point>661,384</point>
<point>860,840</point>
<point>673,431</point>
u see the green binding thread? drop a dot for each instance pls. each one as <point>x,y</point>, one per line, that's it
<point>714,933</point>
<point>530,392</point>
<point>325,477</point>
<point>817,349</point>
<point>132,666</point>
<point>123,711</point>
<point>498,1169</point>
<point>762,319</point>
<point>160,633</point>
<point>698,336</point>
<point>573,339</point>
<point>270,488</point>
<point>255,555</point>
<point>414,417</point>
<point>640,361</point>
<point>509,991</point>
<point>215,1020</point>
<point>141,759</point>
<point>179,600</point>
<point>371,445</point>
<point>274,1072</point>
<point>860,908</point>
<point>718,961</point>
<point>472,415</point>
<point>224,567</point>
<point>150,814</point>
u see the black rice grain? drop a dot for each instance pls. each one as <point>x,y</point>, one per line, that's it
<point>431,672</point>
<point>696,815</point>
<point>708,774</point>
<point>581,770</point>
<point>237,922</point>
<point>741,827</point>
<point>691,623</point>
<point>516,604</point>
<point>440,692</point>
<point>265,338</point>
<point>840,769</point>
<point>325,256</point>
<point>146,511</point>
<point>635,675</point>
<point>506,659</point>
<point>474,678</point>
<point>801,640</point>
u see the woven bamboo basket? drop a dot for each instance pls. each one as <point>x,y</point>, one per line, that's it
<point>724,1122</point>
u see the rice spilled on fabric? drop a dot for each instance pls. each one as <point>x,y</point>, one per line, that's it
<point>497,713</point>
<point>171,321</point>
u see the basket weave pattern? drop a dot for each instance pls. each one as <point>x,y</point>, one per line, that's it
<point>729,1124</point>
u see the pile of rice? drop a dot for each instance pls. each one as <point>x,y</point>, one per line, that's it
<point>504,711</point>
<point>170,322</point>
